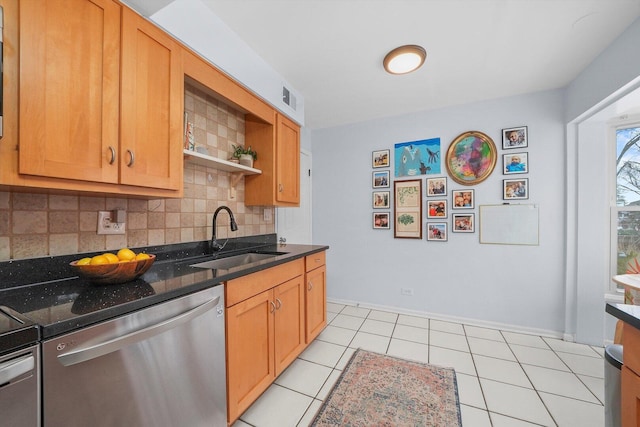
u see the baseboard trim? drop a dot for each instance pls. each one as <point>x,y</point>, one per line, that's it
<point>457,319</point>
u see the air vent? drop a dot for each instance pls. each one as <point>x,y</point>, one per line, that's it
<point>288,98</point>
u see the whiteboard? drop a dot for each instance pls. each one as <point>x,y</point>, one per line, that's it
<point>509,224</point>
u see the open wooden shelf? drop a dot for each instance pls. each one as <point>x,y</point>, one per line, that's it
<point>215,163</point>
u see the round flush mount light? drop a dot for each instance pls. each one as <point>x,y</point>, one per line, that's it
<point>404,59</point>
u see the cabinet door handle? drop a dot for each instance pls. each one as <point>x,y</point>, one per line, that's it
<point>280,188</point>
<point>279,304</point>
<point>273,307</point>
<point>113,155</point>
<point>310,285</point>
<point>132,158</point>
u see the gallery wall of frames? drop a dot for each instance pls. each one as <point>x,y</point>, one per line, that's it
<point>434,195</point>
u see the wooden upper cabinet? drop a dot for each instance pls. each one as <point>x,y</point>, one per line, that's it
<point>152,100</point>
<point>278,150</point>
<point>287,161</point>
<point>69,88</point>
<point>101,94</point>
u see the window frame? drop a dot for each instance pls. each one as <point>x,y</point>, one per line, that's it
<point>614,291</point>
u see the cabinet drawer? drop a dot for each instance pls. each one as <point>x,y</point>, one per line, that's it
<point>314,261</point>
<point>247,286</point>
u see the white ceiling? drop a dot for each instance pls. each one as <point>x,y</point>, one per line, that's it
<point>331,51</point>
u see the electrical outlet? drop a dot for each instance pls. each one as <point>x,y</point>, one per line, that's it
<point>267,214</point>
<point>106,226</point>
<point>406,291</point>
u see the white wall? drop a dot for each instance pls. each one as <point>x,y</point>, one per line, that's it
<point>521,286</point>
<point>195,25</point>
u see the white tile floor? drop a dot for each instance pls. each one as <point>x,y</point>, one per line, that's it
<point>505,379</point>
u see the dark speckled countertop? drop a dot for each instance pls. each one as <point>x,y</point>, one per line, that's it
<point>46,290</point>
<point>626,312</point>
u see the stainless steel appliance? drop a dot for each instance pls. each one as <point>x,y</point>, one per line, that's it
<point>19,371</point>
<point>160,366</point>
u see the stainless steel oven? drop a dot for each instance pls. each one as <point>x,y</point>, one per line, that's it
<point>160,366</point>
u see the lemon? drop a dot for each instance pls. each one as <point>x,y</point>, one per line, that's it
<point>83,261</point>
<point>111,257</point>
<point>142,255</point>
<point>126,254</point>
<point>99,259</point>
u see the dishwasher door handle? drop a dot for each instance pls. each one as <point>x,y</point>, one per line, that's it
<point>14,368</point>
<point>91,352</point>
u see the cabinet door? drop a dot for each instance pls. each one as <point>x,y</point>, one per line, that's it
<point>289,322</point>
<point>69,89</point>
<point>316,302</point>
<point>250,349</point>
<point>287,161</point>
<point>630,405</point>
<point>152,104</point>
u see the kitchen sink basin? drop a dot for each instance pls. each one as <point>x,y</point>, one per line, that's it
<point>237,260</point>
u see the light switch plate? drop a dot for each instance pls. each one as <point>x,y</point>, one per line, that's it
<point>105,226</point>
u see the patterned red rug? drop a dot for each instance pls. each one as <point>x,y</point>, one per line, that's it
<point>379,390</point>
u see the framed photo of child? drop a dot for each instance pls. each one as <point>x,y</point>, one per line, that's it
<point>462,199</point>
<point>381,199</point>
<point>515,163</point>
<point>437,208</point>
<point>380,159</point>
<point>464,223</point>
<point>515,138</point>
<point>436,186</point>
<point>515,189</point>
<point>381,220</point>
<point>437,231</point>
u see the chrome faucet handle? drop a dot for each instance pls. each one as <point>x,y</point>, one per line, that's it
<point>282,240</point>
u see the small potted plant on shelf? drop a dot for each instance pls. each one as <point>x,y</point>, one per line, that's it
<point>245,156</point>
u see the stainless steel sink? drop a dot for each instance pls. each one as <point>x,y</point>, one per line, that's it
<point>237,260</point>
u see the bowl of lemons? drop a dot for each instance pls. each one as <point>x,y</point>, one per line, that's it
<point>110,269</point>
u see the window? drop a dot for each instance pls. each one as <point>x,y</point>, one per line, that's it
<point>626,213</point>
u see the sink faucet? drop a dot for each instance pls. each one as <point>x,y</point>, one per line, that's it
<point>215,246</point>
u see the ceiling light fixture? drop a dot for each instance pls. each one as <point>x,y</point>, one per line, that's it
<point>404,59</point>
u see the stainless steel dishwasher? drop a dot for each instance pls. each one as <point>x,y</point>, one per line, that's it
<point>160,366</point>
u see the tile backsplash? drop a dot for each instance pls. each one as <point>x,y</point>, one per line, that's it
<point>35,225</point>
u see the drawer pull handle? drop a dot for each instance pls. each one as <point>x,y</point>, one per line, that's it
<point>113,155</point>
<point>132,158</point>
<point>310,285</point>
<point>280,188</point>
<point>273,307</point>
<point>279,304</point>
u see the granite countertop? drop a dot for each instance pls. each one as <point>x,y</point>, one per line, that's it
<point>626,312</point>
<point>46,290</point>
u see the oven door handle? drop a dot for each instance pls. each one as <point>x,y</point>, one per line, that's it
<point>14,368</point>
<point>100,349</point>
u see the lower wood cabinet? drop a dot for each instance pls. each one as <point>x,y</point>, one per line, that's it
<point>265,332</point>
<point>315,295</point>
<point>630,405</point>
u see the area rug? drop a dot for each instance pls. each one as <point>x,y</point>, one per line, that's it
<point>379,390</point>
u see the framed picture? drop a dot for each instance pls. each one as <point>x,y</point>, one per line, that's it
<point>515,163</point>
<point>408,209</point>
<point>417,158</point>
<point>463,199</point>
<point>437,231</point>
<point>381,199</point>
<point>515,189</point>
<point>514,138</point>
<point>436,186</point>
<point>380,159</point>
<point>437,208</point>
<point>471,158</point>
<point>464,223</point>
<point>381,220</point>
<point>381,179</point>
